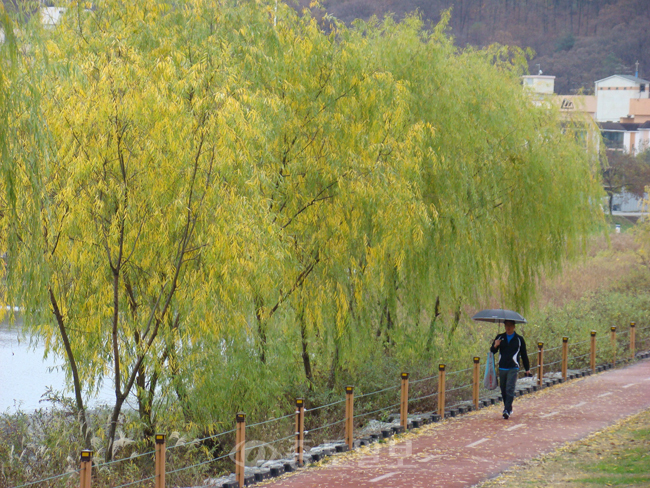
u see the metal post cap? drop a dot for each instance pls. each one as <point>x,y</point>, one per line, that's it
<point>86,455</point>
<point>613,328</point>
<point>349,389</point>
<point>300,402</point>
<point>477,359</point>
<point>241,417</point>
<point>540,344</point>
<point>593,333</point>
<point>565,339</point>
<point>405,376</point>
<point>441,367</point>
<point>160,438</point>
<point>632,324</point>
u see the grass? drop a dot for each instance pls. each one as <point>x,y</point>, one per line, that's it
<point>616,456</point>
<point>625,222</point>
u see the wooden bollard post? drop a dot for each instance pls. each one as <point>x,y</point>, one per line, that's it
<point>404,402</point>
<point>613,329</point>
<point>240,448</point>
<point>565,357</point>
<point>300,431</point>
<point>632,339</point>
<point>477,379</point>
<point>86,468</point>
<point>441,391</point>
<point>161,451</point>
<point>349,416</point>
<point>540,363</point>
<point>593,351</point>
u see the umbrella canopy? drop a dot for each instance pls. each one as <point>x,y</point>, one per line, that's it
<point>499,315</point>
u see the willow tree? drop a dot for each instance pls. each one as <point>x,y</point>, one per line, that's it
<point>215,182</point>
<point>140,174</point>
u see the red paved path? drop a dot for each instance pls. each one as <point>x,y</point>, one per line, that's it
<point>463,451</point>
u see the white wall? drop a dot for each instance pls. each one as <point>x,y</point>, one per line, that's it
<point>613,95</point>
<point>50,16</point>
<point>626,202</point>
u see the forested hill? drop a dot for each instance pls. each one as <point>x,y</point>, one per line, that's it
<point>578,41</point>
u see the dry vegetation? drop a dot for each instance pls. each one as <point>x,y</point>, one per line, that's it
<point>605,265</point>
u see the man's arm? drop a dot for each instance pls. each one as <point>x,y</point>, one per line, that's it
<point>524,356</point>
<point>496,343</point>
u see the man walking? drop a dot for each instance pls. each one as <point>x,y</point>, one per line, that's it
<point>511,347</point>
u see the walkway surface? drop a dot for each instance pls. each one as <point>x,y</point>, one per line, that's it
<point>466,450</point>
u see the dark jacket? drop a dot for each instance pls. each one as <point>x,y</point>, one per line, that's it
<point>511,351</point>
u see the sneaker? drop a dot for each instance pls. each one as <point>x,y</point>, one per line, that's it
<point>506,414</point>
<point>510,413</point>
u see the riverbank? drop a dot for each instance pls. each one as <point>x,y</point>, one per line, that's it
<point>610,286</point>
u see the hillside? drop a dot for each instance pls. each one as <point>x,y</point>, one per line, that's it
<point>577,41</point>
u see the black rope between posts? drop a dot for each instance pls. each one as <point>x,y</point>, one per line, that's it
<point>196,441</point>
<point>578,357</point>
<point>424,379</point>
<point>323,406</point>
<point>459,388</point>
<point>376,411</point>
<point>459,371</point>
<point>378,391</point>
<point>292,436</point>
<point>124,459</point>
<point>457,404</point>
<point>196,465</point>
<point>551,364</point>
<point>422,397</point>
<point>271,420</point>
<point>324,426</point>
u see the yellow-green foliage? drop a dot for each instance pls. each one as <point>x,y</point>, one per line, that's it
<point>211,201</point>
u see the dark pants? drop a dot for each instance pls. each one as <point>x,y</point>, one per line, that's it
<point>508,381</point>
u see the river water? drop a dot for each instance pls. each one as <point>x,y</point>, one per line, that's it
<point>25,375</point>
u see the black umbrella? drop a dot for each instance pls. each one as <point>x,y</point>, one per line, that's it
<point>499,315</point>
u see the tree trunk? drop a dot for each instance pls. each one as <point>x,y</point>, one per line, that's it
<point>112,429</point>
<point>432,325</point>
<point>611,203</point>
<point>261,329</point>
<point>81,411</point>
<point>331,383</point>
<point>145,402</point>
<point>306,362</point>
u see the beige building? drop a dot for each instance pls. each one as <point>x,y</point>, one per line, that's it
<point>639,110</point>
<point>577,104</point>
<point>541,84</point>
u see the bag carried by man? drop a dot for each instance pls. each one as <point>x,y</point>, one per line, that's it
<point>490,380</point>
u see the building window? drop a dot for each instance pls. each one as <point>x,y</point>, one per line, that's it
<point>613,140</point>
<point>642,89</point>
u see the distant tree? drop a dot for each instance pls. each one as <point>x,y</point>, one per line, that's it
<point>625,173</point>
<point>565,43</point>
